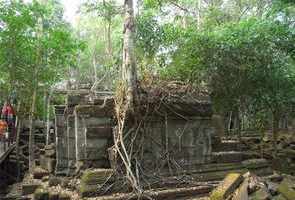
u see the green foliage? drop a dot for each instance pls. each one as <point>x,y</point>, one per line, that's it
<point>250,63</point>
<point>36,47</point>
<point>105,9</point>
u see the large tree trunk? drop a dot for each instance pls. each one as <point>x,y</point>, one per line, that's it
<point>31,133</point>
<point>129,74</point>
<point>125,103</point>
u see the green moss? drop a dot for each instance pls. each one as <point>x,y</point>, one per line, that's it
<point>217,195</point>
<point>88,190</point>
<point>286,190</point>
<point>96,176</point>
<point>230,182</point>
<point>41,194</point>
<point>279,197</point>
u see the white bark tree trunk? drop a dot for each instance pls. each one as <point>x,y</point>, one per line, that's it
<point>129,74</point>
<point>31,133</point>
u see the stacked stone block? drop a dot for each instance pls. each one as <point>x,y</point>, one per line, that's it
<point>61,141</point>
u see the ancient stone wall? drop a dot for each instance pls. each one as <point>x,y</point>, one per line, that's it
<point>93,134</point>
<point>184,142</point>
<point>85,133</point>
<point>61,140</point>
<point>71,143</point>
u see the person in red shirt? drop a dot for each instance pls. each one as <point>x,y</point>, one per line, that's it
<point>8,115</point>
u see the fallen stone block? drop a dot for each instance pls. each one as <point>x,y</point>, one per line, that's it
<point>50,153</point>
<point>29,188</point>
<point>53,196</point>
<point>275,178</point>
<point>286,188</point>
<point>272,188</point>
<point>88,190</point>
<point>96,176</point>
<point>279,197</point>
<point>253,185</point>
<point>226,157</point>
<point>242,192</point>
<point>260,194</point>
<point>227,187</point>
<point>50,146</point>
<point>255,163</point>
<point>39,173</point>
<point>45,178</point>
<point>64,196</point>
<point>54,181</point>
<point>290,153</point>
<point>41,194</point>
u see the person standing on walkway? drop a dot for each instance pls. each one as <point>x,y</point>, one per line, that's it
<point>8,115</point>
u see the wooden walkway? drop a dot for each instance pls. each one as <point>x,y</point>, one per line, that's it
<point>4,152</point>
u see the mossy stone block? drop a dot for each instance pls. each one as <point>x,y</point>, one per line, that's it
<point>41,194</point>
<point>53,196</point>
<point>227,186</point>
<point>64,196</point>
<point>96,176</point>
<point>286,189</point>
<point>29,188</point>
<point>88,190</point>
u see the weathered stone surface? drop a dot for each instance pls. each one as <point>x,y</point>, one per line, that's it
<point>95,110</point>
<point>50,153</point>
<point>99,132</point>
<point>279,197</point>
<point>61,140</point>
<point>53,196</point>
<point>65,182</point>
<point>64,196</point>
<point>88,190</point>
<point>189,141</point>
<point>41,194</point>
<point>255,163</point>
<point>54,181</point>
<point>286,188</point>
<point>75,99</point>
<point>50,146</point>
<point>29,188</point>
<point>92,179</point>
<point>71,144</point>
<point>272,188</point>
<point>242,192</point>
<point>260,194</point>
<point>275,178</point>
<point>218,124</point>
<point>96,176</point>
<point>290,153</point>
<point>47,163</point>
<point>228,185</point>
<point>39,173</point>
<point>227,156</point>
<point>91,146</point>
<point>45,178</point>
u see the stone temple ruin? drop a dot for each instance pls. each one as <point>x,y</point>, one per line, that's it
<point>177,150</point>
<point>178,136</point>
<point>84,129</point>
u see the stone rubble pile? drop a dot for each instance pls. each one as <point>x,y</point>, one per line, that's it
<point>284,161</point>
<point>248,186</point>
<point>47,158</point>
